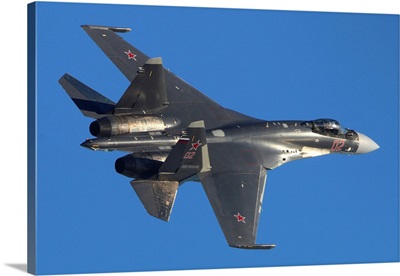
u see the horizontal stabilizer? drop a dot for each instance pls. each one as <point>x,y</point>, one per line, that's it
<point>91,103</point>
<point>158,197</point>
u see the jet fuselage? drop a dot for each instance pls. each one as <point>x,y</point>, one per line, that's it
<point>285,140</point>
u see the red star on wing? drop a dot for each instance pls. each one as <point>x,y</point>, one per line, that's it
<point>130,55</point>
<point>196,145</point>
<point>240,218</point>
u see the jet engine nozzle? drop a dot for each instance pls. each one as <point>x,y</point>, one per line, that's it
<point>100,128</point>
<point>133,167</point>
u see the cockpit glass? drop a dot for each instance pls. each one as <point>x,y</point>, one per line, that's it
<point>327,127</point>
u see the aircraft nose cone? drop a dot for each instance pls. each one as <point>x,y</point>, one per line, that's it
<point>366,144</point>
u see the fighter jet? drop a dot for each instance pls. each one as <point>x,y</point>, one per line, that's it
<point>174,134</point>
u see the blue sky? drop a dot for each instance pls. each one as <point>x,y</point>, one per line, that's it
<point>267,64</point>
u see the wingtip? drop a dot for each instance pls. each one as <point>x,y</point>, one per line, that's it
<point>114,29</point>
<point>254,246</point>
<point>65,76</point>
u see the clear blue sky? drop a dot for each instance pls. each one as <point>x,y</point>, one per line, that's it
<point>267,64</point>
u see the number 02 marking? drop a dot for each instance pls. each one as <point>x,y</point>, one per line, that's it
<point>189,155</point>
<point>337,145</point>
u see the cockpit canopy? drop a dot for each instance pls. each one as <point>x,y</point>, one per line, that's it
<point>328,127</point>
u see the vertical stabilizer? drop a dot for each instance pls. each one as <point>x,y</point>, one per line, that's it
<point>189,156</point>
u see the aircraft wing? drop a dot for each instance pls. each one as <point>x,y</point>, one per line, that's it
<point>235,189</point>
<point>183,100</point>
<point>126,57</point>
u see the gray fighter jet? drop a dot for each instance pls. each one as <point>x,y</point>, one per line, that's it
<point>174,134</point>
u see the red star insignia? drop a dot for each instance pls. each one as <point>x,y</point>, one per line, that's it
<point>196,145</point>
<point>130,55</point>
<point>240,218</point>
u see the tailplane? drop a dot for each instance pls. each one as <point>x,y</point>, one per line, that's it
<point>91,103</point>
<point>157,197</point>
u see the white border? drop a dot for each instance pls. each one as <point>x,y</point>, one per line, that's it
<point>13,16</point>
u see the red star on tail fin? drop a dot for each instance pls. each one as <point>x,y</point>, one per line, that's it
<point>196,145</point>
